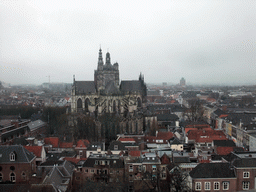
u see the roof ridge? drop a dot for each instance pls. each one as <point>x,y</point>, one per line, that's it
<point>23,148</point>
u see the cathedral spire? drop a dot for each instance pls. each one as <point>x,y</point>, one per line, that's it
<point>108,59</point>
<point>100,59</point>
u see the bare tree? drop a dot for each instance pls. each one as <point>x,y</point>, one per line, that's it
<point>195,112</point>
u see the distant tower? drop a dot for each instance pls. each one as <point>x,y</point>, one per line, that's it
<point>182,82</point>
<point>100,61</point>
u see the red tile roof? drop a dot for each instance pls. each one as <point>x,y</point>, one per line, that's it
<point>82,143</point>
<point>201,136</point>
<point>74,159</point>
<point>37,150</point>
<point>66,145</point>
<point>54,141</point>
<point>134,153</point>
<point>168,135</point>
<point>165,136</point>
<point>196,129</point>
<point>224,150</point>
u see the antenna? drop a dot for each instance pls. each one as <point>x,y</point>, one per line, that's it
<point>49,77</point>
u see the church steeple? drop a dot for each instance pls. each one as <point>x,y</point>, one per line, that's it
<point>108,59</point>
<point>100,60</point>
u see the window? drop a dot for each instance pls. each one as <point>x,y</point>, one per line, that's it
<point>96,162</point>
<point>115,147</point>
<point>80,152</point>
<point>139,168</point>
<point>117,172</point>
<point>12,156</point>
<point>86,170</point>
<point>225,185</point>
<point>1,177</point>
<point>23,176</point>
<point>130,177</point>
<point>92,170</point>
<point>12,168</point>
<point>144,168</point>
<point>198,186</point>
<point>246,174</point>
<point>246,185</point>
<point>12,177</point>
<point>130,168</point>
<point>153,168</point>
<point>163,175</point>
<point>111,171</point>
<point>216,185</point>
<point>207,186</point>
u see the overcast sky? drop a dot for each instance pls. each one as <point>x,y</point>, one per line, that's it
<point>206,42</point>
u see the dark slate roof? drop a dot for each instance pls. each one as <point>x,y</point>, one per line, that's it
<point>85,87</point>
<point>167,117</point>
<point>216,157</point>
<point>22,155</point>
<point>118,143</point>
<point>36,124</point>
<point>181,160</point>
<point>52,163</point>
<point>20,141</point>
<point>57,156</point>
<point>224,143</point>
<point>212,170</point>
<point>245,162</point>
<point>174,141</point>
<point>245,118</point>
<point>131,86</point>
<point>219,112</point>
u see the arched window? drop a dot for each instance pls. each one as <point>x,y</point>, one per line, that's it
<point>114,106</point>
<point>23,176</point>
<point>12,156</point>
<point>125,111</point>
<point>138,102</point>
<point>12,177</point>
<point>86,104</point>
<point>96,111</point>
<point>79,103</point>
<point>127,127</point>
<point>1,177</point>
<point>119,106</point>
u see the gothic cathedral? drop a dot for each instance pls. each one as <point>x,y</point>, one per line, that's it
<point>107,95</point>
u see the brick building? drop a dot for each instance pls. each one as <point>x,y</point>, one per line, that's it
<point>17,164</point>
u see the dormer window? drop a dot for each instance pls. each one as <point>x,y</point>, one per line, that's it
<point>12,156</point>
<point>115,147</point>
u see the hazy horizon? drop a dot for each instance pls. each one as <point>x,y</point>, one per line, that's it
<point>206,42</point>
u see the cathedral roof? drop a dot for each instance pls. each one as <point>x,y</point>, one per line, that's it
<point>85,87</point>
<point>131,86</point>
